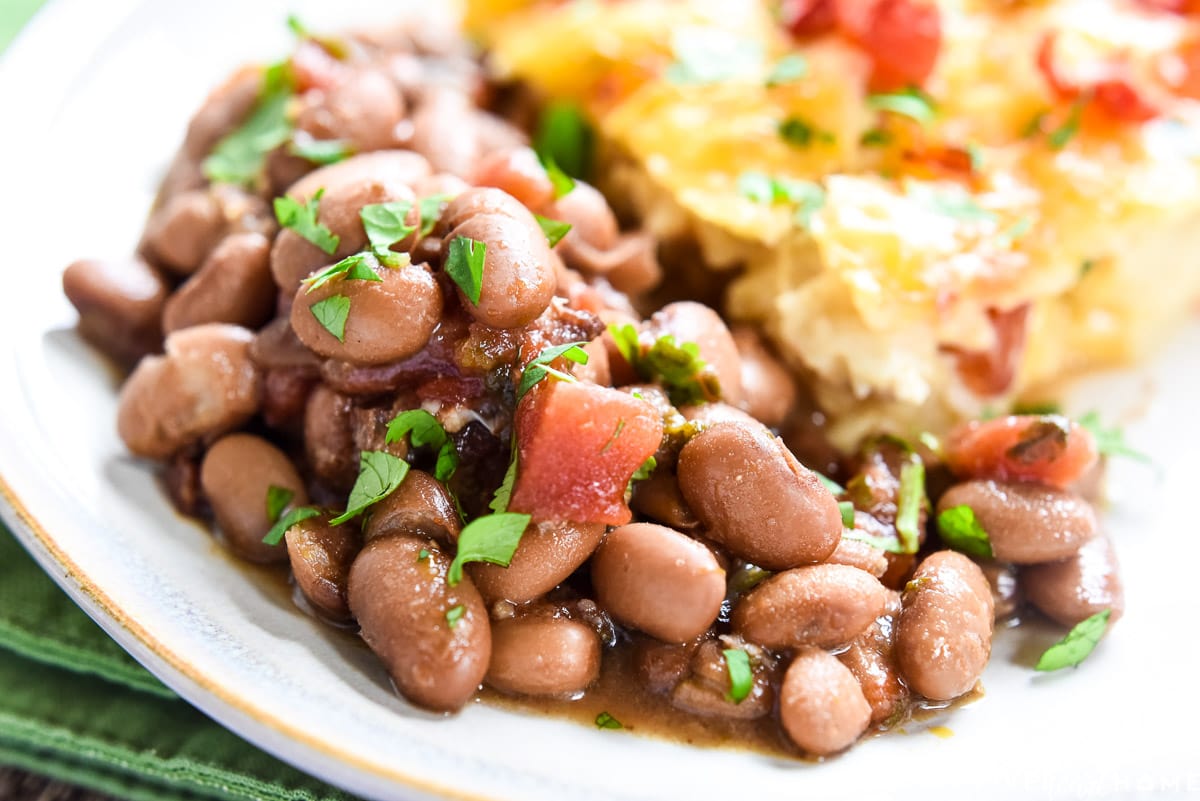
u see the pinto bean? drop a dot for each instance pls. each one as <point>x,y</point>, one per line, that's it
<point>705,692</point>
<point>222,111</point>
<point>768,389</point>
<point>518,272</point>
<point>871,660</point>
<point>755,499</point>
<point>856,553</point>
<point>391,168</point>
<point>823,605</point>
<point>549,552</point>
<point>120,306</point>
<point>660,499</point>
<point>420,505</point>
<point>1026,523</point>
<point>236,475</point>
<point>944,635</point>
<point>389,320</point>
<point>440,183</point>
<point>694,322</point>
<point>709,414</point>
<point>180,235</point>
<point>1006,589</point>
<point>659,581</point>
<point>321,556</point>
<point>659,666</point>
<point>536,655</point>
<point>363,110</point>
<point>444,132</point>
<point>232,286</point>
<point>401,600</point>
<point>1077,587</point>
<point>476,202</point>
<point>1048,449</point>
<point>328,437</point>
<point>821,706</point>
<point>591,219</point>
<point>203,386</point>
<point>519,173</point>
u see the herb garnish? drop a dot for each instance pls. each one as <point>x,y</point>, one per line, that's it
<point>275,535</point>
<point>1110,441</point>
<point>910,102</point>
<point>741,678</point>
<point>385,224</point>
<point>554,230</point>
<point>882,543</point>
<point>799,132</point>
<point>493,539</point>
<point>607,721</point>
<point>319,151</point>
<point>332,313</point>
<point>961,530</point>
<point>908,505</point>
<point>302,218</point>
<point>847,510</point>
<point>1075,647</point>
<point>422,554</point>
<point>503,494</point>
<point>454,614</point>
<point>564,142</point>
<point>830,484</point>
<point>356,267</point>
<point>807,196</point>
<point>1060,136</point>
<point>379,474</point>
<point>240,156</point>
<point>687,378</point>
<point>540,367</point>
<point>277,500</point>
<point>464,265</point>
<point>791,67</point>
<point>423,429</point>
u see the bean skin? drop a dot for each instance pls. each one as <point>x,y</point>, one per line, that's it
<point>120,306</point>
<point>705,691</point>
<point>871,659</point>
<point>181,234</point>
<point>233,285</point>
<point>821,706</point>
<point>822,605</point>
<point>329,439</point>
<point>755,499</point>
<point>659,581</point>
<point>1026,523</point>
<point>362,109</point>
<point>205,384</point>
<point>420,505</point>
<point>944,636</point>
<point>549,552</point>
<point>769,393</point>
<point>543,656</point>
<point>856,553</point>
<point>1078,587</point>
<point>694,322</point>
<point>321,556</point>
<point>400,601</point>
<point>389,320</point>
<point>236,475</point>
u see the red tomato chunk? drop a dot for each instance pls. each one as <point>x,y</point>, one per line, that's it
<point>1048,449</point>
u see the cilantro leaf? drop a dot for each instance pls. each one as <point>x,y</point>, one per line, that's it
<point>564,142</point>
<point>356,267</point>
<point>302,218</point>
<point>741,678</point>
<point>1060,136</point>
<point>800,133</point>
<point>275,535</point>
<point>240,156</point>
<point>847,510</point>
<point>429,209</point>
<point>554,230</point>
<point>277,500</point>
<point>627,340</point>
<point>830,484</point>
<point>464,265</point>
<point>791,67</point>
<point>385,223</point>
<point>908,505</point>
<point>454,614</point>
<point>607,721</point>
<point>423,429</point>
<point>379,473</point>
<point>911,103</point>
<point>332,313</point>
<point>882,543</point>
<point>961,530</point>
<point>1077,645</point>
<point>1110,441</point>
<point>493,539</point>
<point>807,196</point>
<point>503,494</point>
<point>319,151</point>
<point>539,367</point>
<point>687,378</point>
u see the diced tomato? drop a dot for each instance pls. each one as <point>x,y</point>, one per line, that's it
<point>578,445</point>
<point>901,37</point>
<point>808,17</point>
<point>991,372</point>
<point>1107,82</point>
<point>1049,449</point>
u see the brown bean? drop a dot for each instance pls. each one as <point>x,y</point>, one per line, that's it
<point>519,173</point>
<point>236,475</point>
<point>705,691</point>
<point>420,505</point>
<point>294,258</point>
<point>549,552</point>
<point>401,600</point>
<point>1077,587</point>
<point>232,286</point>
<point>856,553</point>
<point>660,499</point>
<point>389,320</point>
<point>944,636</point>
<point>180,235</point>
<point>871,660</point>
<point>543,656</point>
<point>768,389</point>
<point>329,439</point>
<point>321,556</point>
<point>823,605</point>
<point>363,110</point>
<point>444,132</point>
<point>659,581</point>
<point>756,499</point>
<point>205,385</point>
<point>709,414</point>
<point>659,666</point>
<point>120,306</point>
<point>478,201</point>
<point>694,322</point>
<point>391,168</point>
<point>440,183</point>
<point>222,111</point>
<point>821,706</point>
<point>518,273</point>
<point>1026,523</point>
<point>1007,592</point>
<point>589,215</point>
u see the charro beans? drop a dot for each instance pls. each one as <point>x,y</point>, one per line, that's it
<point>821,706</point>
<point>539,655</point>
<point>120,305</point>
<point>944,635</point>
<point>321,555</point>
<point>755,499</point>
<point>694,322</point>
<point>1026,523</point>
<point>233,285</point>
<point>549,552</point>
<point>419,506</point>
<point>1079,586</point>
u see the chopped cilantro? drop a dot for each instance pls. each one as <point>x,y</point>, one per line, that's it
<point>240,156</point>
<point>356,267</point>
<point>281,526</point>
<point>379,474</point>
<point>847,510</point>
<point>422,429</point>
<point>910,502</point>
<point>464,265</point>
<point>961,530</point>
<point>332,313</point>
<point>607,721</point>
<point>799,132</point>
<point>1110,441</point>
<point>554,230</point>
<point>1077,645</point>
<point>741,678</point>
<point>302,218</point>
<point>564,142</point>
<point>911,103</point>
<point>540,367</point>
<point>493,539</point>
<point>277,500</point>
<point>454,614</point>
<point>319,151</point>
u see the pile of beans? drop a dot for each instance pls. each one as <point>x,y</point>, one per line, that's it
<point>685,532</point>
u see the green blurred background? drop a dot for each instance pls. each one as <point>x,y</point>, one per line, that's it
<point>14,14</point>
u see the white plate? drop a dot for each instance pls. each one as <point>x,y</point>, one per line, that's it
<point>94,99</point>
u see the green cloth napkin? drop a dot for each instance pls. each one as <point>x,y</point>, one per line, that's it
<point>76,707</point>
